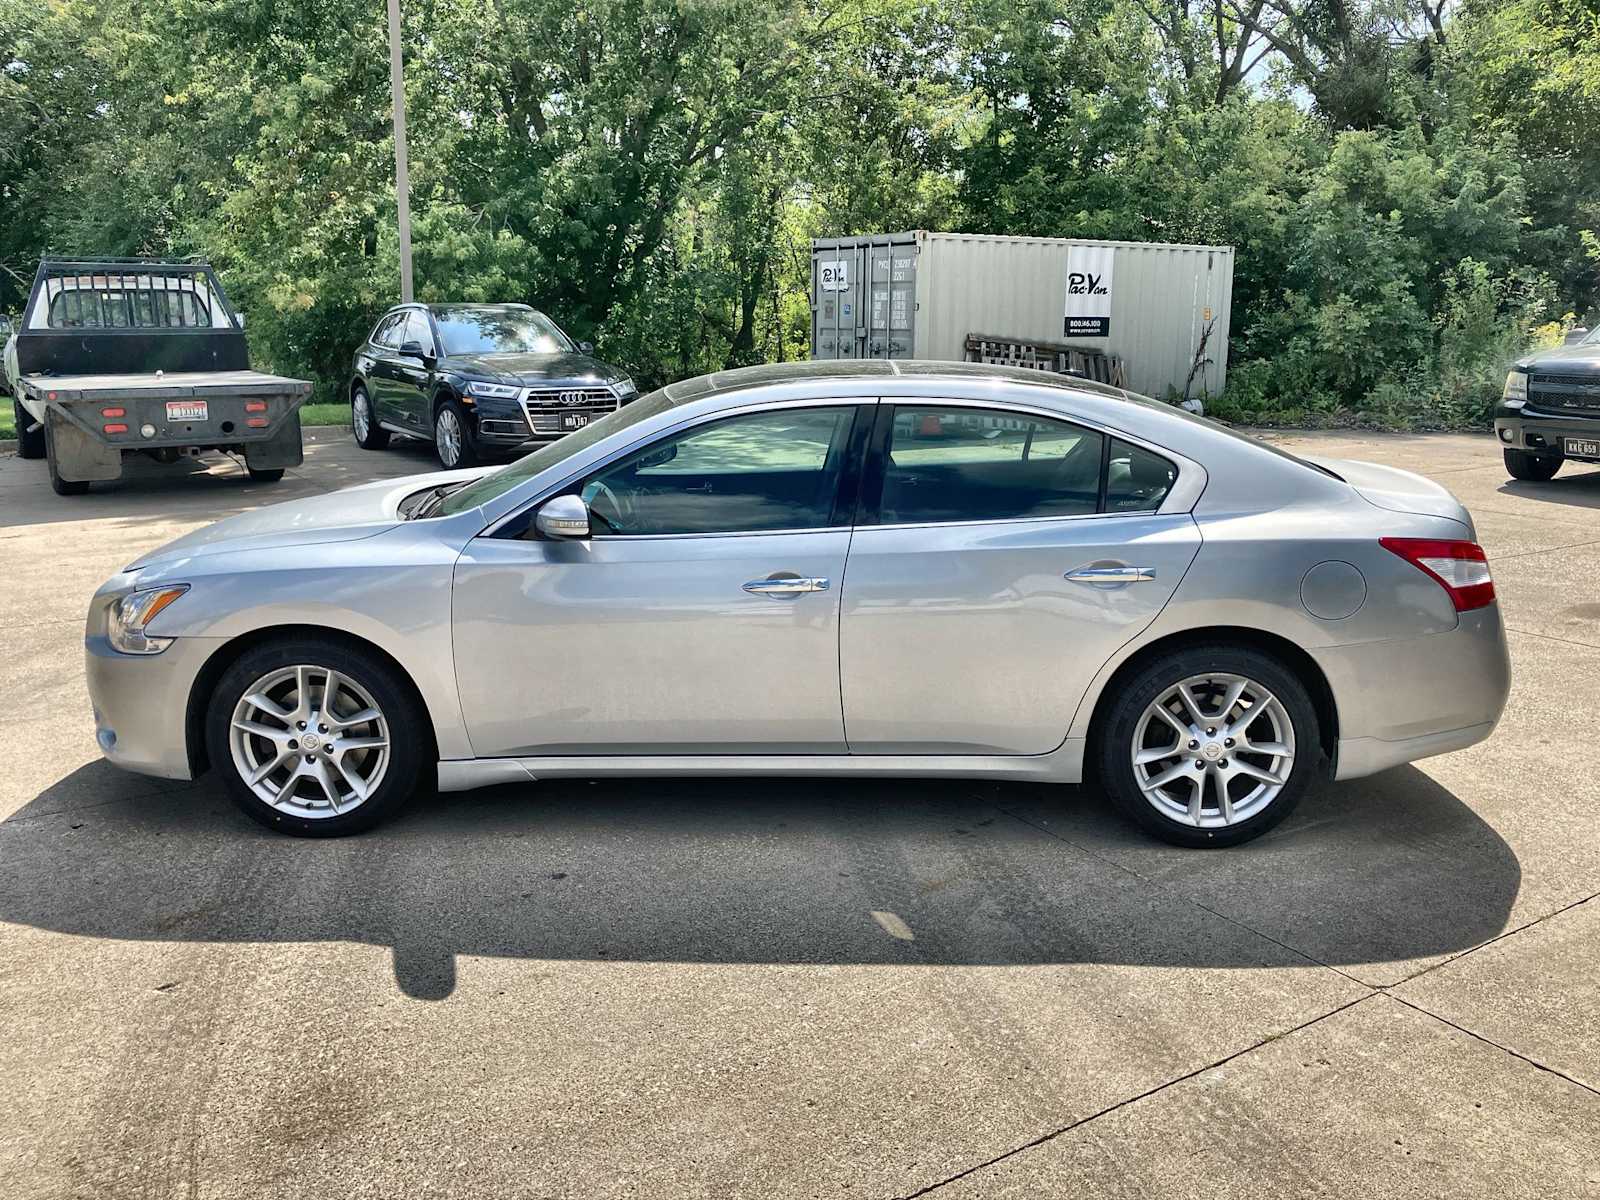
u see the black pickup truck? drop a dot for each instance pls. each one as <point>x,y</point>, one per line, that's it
<point>137,356</point>
<point>1550,412</point>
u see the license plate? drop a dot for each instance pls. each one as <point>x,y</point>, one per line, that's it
<point>1582,447</point>
<point>187,410</point>
<point>573,421</point>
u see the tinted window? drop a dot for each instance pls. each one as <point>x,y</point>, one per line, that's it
<point>384,334</point>
<point>771,470</point>
<point>416,330</point>
<point>494,330</point>
<point>1136,480</point>
<point>973,464</point>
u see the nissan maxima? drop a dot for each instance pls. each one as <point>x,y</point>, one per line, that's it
<point>858,568</point>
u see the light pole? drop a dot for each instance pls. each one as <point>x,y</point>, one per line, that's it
<point>402,182</point>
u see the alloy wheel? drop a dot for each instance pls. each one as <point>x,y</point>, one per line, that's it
<point>309,741</point>
<point>361,417</point>
<point>447,436</point>
<point>1213,750</point>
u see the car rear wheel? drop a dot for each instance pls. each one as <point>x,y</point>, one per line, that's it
<point>369,434</point>
<point>1537,467</point>
<point>29,444</point>
<point>1209,746</point>
<point>314,738</point>
<point>452,437</point>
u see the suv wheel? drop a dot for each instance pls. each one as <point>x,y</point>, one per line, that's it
<point>315,738</point>
<point>369,434</point>
<point>1537,467</point>
<point>452,437</point>
<point>1209,746</point>
<point>29,445</point>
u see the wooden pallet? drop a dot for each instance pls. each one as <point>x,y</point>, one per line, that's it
<point>1056,357</point>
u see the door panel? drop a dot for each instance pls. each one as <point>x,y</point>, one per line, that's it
<point>650,645</point>
<point>969,638</point>
<point>412,377</point>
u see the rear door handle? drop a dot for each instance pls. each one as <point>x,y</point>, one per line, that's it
<point>1118,574</point>
<point>785,587</point>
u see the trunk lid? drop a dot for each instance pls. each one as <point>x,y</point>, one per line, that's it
<point>1397,490</point>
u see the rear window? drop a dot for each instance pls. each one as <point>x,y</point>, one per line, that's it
<point>981,464</point>
<point>128,308</point>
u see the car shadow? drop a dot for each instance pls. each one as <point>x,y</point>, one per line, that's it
<point>1578,484</point>
<point>752,871</point>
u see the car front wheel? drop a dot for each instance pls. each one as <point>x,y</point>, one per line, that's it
<point>452,437</point>
<point>1536,467</point>
<point>1209,746</point>
<point>315,738</point>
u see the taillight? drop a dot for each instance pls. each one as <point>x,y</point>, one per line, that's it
<point>255,406</point>
<point>116,428</point>
<point>1460,568</point>
<point>113,412</point>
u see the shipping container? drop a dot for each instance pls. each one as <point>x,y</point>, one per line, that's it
<point>922,295</point>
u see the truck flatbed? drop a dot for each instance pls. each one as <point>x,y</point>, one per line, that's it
<point>174,385</point>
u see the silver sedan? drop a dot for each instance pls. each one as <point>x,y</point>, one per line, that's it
<point>866,568</point>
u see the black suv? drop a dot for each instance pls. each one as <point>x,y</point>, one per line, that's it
<point>477,379</point>
<point>1551,410</point>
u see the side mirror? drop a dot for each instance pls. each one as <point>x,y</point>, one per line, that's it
<point>586,347</point>
<point>412,350</point>
<point>658,458</point>
<point>563,517</point>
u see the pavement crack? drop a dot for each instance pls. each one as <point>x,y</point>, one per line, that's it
<point>1124,1103</point>
<point>1550,637</point>
<point>1499,937</point>
<point>1532,1062</point>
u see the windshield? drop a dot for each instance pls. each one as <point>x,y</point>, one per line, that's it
<point>499,331</point>
<point>545,457</point>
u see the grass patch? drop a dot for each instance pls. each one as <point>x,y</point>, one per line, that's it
<point>310,414</point>
<point>324,414</point>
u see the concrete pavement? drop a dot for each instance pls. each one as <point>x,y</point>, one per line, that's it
<point>857,988</point>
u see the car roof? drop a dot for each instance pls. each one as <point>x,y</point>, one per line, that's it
<point>841,370</point>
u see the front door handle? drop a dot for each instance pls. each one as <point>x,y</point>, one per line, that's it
<point>781,587</point>
<point>1110,575</point>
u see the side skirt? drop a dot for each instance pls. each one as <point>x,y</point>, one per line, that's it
<point>1063,765</point>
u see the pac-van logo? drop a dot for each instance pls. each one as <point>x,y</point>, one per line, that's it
<point>1085,283</point>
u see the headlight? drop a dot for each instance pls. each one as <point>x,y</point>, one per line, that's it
<point>133,612</point>
<point>494,391</point>
<point>1516,385</point>
<point>626,388</point>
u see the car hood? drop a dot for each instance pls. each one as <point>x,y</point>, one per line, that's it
<point>342,516</point>
<point>534,368</point>
<point>1396,490</point>
<point>1563,358</point>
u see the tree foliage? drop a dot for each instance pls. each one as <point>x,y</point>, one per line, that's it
<point>1411,185</point>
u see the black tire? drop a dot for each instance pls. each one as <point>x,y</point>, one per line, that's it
<point>1535,467</point>
<point>60,486</point>
<point>265,474</point>
<point>29,445</point>
<point>410,742</point>
<point>467,452</point>
<point>376,438</point>
<point>1114,748</point>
